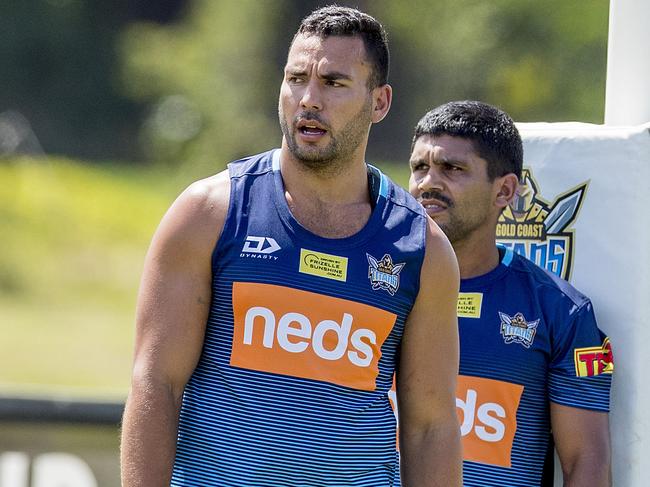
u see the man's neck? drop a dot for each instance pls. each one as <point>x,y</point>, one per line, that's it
<point>347,184</point>
<point>332,205</point>
<point>476,257</point>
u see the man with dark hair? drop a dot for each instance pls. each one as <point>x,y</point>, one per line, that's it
<point>347,22</point>
<point>280,296</point>
<point>521,328</point>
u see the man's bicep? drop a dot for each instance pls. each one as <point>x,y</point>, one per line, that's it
<point>172,309</point>
<point>581,435</point>
<point>429,356</point>
<point>175,292</point>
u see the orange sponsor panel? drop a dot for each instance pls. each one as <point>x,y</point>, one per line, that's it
<point>487,412</point>
<point>592,361</point>
<point>298,333</point>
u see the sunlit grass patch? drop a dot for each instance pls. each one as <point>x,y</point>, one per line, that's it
<point>73,240</point>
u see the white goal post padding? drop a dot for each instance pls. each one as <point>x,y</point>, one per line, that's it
<point>610,233</point>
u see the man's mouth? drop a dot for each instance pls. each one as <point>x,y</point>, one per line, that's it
<point>433,206</point>
<point>311,130</point>
<point>310,127</point>
<point>434,202</point>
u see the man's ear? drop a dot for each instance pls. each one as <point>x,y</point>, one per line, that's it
<point>506,189</point>
<point>382,96</point>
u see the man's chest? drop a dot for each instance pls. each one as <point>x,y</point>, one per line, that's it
<point>503,335</point>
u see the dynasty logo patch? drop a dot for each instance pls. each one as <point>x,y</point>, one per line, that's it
<point>539,230</point>
<point>259,248</point>
<point>515,329</point>
<point>383,274</point>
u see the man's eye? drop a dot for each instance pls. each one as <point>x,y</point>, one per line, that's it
<point>333,83</point>
<point>451,167</point>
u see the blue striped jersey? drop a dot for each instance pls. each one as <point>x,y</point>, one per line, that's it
<point>301,343</point>
<point>526,338</point>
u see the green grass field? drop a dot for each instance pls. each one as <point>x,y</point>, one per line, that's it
<point>73,239</point>
<point>72,243</point>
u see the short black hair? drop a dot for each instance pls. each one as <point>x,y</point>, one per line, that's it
<point>491,130</point>
<point>335,20</point>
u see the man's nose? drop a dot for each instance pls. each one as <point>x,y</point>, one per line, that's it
<point>311,96</point>
<point>431,181</point>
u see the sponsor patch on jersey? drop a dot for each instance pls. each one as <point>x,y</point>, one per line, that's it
<point>487,413</point>
<point>540,230</point>
<point>384,274</point>
<point>297,333</point>
<point>259,248</point>
<point>469,305</point>
<point>515,329</point>
<point>590,361</point>
<point>323,265</point>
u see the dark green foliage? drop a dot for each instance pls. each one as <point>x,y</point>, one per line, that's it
<point>202,89</point>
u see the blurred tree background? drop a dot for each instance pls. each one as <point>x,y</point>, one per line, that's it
<point>108,108</point>
<point>193,83</point>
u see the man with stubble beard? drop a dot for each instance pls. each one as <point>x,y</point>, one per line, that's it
<point>523,331</point>
<point>280,296</point>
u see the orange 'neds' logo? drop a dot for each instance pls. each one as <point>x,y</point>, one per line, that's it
<point>303,334</point>
<point>487,412</point>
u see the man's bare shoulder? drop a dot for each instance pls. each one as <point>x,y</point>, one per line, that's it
<point>440,255</point>
<point>207,197</point>
<point>196,218</point>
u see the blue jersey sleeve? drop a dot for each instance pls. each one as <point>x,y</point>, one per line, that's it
<point>582,363</point>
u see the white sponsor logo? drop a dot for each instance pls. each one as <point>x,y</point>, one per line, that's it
<point>294,331</point>
<point>259,248</point>
<point>490,427</point>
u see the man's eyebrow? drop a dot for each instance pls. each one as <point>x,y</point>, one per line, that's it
<point>295,70</point>
<point>329,76</point>
<point>449,160</point>
<point>438,160</point>
<point>334,75</point>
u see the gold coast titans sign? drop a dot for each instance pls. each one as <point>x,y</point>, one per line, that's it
<point>540,230</point>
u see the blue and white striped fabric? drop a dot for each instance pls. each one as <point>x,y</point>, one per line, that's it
<point>536,335</point>
<point>278,398</point>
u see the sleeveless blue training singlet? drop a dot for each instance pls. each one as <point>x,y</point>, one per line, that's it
<point>301,343</point>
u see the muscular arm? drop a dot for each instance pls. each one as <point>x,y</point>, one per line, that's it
<point>171,314</point>
<point>426,378</point>
<point>582,442</point>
